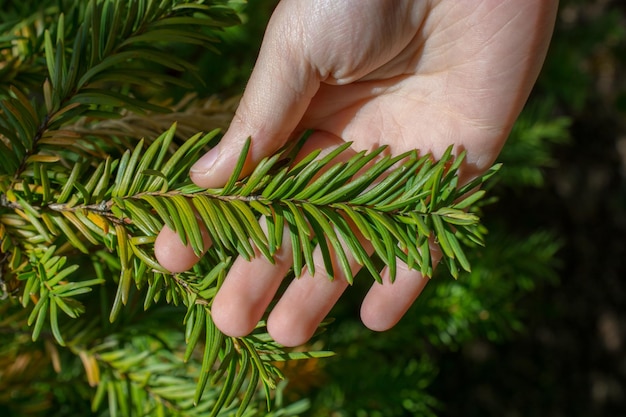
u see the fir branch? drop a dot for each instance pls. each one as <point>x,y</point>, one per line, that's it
<point>128,55</point>
<point>397,203</point>
<point>154,376</point>
<point>400,204</point>
<point>398,219</point>
<point>80,192</point>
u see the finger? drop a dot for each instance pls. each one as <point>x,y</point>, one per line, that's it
<point>250,286</point>
<point>172,254</point>
<point>305,303</point>
<point>385,304</point>
<point>248,290</point>
<point>277,95</point>
<point>309,299</point>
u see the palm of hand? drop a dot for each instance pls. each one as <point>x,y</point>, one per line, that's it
<point>461,77</point>
<point>425,76</point>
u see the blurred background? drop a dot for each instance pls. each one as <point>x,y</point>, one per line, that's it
<point>539,327</point>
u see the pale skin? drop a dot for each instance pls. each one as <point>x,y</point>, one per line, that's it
<point>408,74</point>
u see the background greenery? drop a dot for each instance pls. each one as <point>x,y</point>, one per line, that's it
<point>571,357</point>
<point>539,327</point>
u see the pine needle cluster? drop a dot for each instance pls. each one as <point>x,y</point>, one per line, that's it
<point>93,167</point>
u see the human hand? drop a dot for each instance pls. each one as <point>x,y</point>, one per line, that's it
<point>407,74</point>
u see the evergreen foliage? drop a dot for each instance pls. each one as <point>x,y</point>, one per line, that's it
<point>395,375</point>
<point>95,162</point>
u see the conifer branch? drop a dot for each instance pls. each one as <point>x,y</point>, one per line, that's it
<point>89,177</point>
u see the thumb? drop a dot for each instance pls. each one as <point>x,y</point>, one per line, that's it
<point>278,93</point>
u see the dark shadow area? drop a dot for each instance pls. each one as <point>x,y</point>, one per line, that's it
<point>571,359</point>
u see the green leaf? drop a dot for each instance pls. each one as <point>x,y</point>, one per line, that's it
<point>110,98</point>
<point>426,268</point>
<point>33,217</point>
<point>301,188</point>
<point>213,343</point>
<point>391,184</point>
<point>441,236</point>
<point>242,243</point>
<point>469,200</point>
<point>297,243</point>
<point>66,191</point>
<point>214,222</point>
<point>189,223</point>
<point>39,312</point>
<point>353,188</point>
<point>253,227</point>
<point>176,220</point>
<point>357,250</point>
<point>50,58</point>
<point>69,233</point>
<point>60,275</point>
<point>171,35</point>
<point>146,261</point>
<point>142,217</point>
<point>276,181</point>
<point>480,180</point>
<point>185,155</point>
<point>121,296</point>
<point>457,217</point>
<point>228,188</point>
<point>128,172</point>
<point>103,182</point>
<point>72,289</point>
<point>387,250</point>
<point>91,236</point>
<point>54,324</point>
<point>294,356</point>
<point>158,204</point>
<point>323,231</point>
<point>258,363</point>
<point>199,323</point>
<point>250,392</point>
<point>303,241</point>
<point>244,370</point>
<point>226,385</point>
<point>329,233</point>
<point>436,182</point>
<point>123,286</point>
<point>259,174</point>
<point>323,184</point>
<point>459,255</point>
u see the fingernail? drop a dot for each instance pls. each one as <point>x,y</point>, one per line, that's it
<point>204,164</point>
